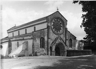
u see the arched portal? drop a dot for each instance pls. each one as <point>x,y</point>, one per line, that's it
<point>59,49</point>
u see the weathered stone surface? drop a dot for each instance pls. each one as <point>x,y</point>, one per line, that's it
<point>52,39</point>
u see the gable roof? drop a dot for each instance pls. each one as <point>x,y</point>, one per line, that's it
<point>12,27</point>
<point>32,22</point>
<point>5,39</point>
<point>71,34</point>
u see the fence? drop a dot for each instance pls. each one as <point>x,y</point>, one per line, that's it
<point>78,52</point>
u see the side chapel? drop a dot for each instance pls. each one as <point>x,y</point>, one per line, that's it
<point>48,36</point>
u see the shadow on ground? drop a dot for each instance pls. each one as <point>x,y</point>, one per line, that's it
<point>73,63</point>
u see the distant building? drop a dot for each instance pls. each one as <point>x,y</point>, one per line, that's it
<point>44,36</point>
<point>79,45</point>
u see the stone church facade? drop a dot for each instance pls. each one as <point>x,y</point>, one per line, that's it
<point>48,36</point>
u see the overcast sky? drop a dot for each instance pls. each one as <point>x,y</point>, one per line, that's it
<point>20,12</point>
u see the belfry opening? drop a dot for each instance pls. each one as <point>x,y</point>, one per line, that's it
<point>59,49</point>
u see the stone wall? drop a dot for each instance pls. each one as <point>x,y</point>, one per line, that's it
<point>78,52</point>
<point>73,38</point>
<point>53,38</point>
<point>36,41</point>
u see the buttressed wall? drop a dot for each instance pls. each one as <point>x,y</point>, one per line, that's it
<point>44,36</point>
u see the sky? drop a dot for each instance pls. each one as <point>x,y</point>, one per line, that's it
<point>20,12</point>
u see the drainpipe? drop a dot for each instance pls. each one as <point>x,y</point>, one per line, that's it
<point>33,40</point>
<point>65,36</point>
<point>47,39</point>
<point>33,46</point>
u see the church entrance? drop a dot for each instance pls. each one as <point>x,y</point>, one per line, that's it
<point>59,50</point>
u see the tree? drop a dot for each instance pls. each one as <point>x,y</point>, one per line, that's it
<point>89,22</point>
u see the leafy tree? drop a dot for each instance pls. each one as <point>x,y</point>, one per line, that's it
<point>89,23</point>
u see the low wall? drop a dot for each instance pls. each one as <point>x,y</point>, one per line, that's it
<point>78,52</point>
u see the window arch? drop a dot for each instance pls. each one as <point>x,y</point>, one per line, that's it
<point>42,42</point>
<point>70,43</point>
<point>50,50</point>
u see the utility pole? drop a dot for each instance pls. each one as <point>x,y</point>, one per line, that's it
<point>0,34</point>
<point>0,21</point>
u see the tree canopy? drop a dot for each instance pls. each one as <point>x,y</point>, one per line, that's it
<point>89,22</point>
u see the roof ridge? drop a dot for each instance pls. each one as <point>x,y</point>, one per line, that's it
<point>36,20</point>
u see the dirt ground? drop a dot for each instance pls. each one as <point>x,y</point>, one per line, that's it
<point>50,62</point>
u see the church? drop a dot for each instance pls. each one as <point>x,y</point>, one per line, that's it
<point>45,36</point>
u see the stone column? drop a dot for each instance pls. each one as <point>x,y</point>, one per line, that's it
<point>26,50</point>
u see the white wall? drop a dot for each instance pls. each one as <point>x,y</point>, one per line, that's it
<point>10,34</point>
<point>22,31</point>
<point>14,45</point>
<point>30,41</point>
<point>15,33</point>
<point>30,46</point>
<point>20,42</point>
<point>5,49</point>
<point>30,29</point>
<point>41,26</point>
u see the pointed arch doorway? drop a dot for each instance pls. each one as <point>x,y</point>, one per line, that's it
<point>59,49</point>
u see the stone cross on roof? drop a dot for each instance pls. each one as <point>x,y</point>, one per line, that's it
<point>57,9</point>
